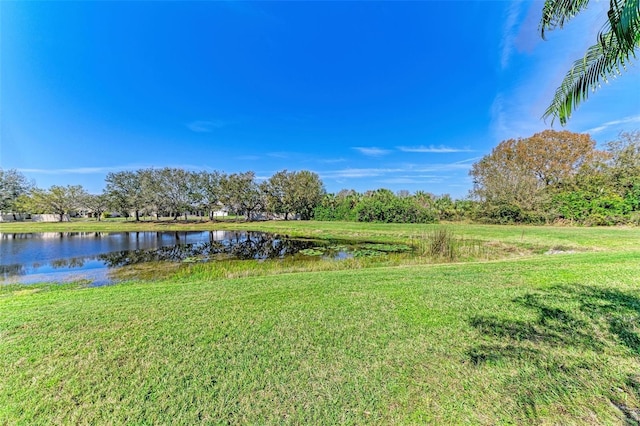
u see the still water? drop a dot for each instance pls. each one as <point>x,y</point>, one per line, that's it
<point>69,256</point>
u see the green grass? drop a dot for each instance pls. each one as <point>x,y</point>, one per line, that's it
<point>535,339</point>
<point>584,238</point>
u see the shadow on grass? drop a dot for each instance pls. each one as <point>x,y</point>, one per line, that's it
<point>576,315</point>
<point>550,346</point>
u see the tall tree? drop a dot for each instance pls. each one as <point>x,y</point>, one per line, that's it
<point>624,167</point>
<point>625,156</point>
<point>499,179</point>
<point>60,200</point>
<point>241,193</point>
<point>13,184</point>
<point>209,191</point>
<point>124,190</point>
<point>616,44</point>
<point>517,170</point>
<point>175,189</point>
<point>149,192</point>
<point>278,193</point>
<point>97,204</point>
<point>293,192</point>
<point>307,191</point>
<point>556,156</point>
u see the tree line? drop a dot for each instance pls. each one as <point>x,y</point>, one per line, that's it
<point>170,192</point>
<point>550,177</point>
<point>383,205</point>
<point>554,177</point>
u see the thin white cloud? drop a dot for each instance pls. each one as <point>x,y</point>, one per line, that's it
<point>79,170</point>
<point>608,124</point>
<point>357,173</point>
<point>372,151</point>
<point>468,160</point>
<point>108,169</point>
<point>438,167</point>
<point>200,126</point>
<point>433,149</point>
<point>332,160</point>
<point>278,154</point>
<point>404,180</point>
<point>406,172</point>
<point>509,33</point>
<point>444,167</point>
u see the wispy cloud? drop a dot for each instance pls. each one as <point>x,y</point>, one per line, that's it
<point>444,167</point>
<point>80,170</point>
<point>357,173</point>
<point>509,32</point>
<point>528,35</point>
<point>434,177</point>
<point>332,160</point>
<point>468,160</point>
<point>372,151</point>
<point>201,126</point>
<point>278,155</point>
<point>108,169</point>
<point>613,123</point>
<point>433,149</point>
<point>407,180</point>
<point>409,171</point>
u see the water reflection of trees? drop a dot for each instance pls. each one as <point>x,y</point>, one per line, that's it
<point>236,245</point>
<point>74,262</point>
<point>49,235</point>
<point>14,270</point>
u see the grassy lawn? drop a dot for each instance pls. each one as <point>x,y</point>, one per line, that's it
<point>537,339</point>
<point>596,238</point>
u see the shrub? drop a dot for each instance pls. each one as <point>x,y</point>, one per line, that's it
<point>502,214</point>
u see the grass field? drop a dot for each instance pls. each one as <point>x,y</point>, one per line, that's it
<point>531,339</point>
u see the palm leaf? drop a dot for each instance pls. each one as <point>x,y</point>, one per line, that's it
<point>601,61</point>
<point>617,41</point>
<point>556,12</point>
<point>624,22</point>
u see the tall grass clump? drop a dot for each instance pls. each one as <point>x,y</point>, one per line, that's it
<point>442,244</point>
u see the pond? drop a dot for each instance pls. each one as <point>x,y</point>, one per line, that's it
<point>70,256</point>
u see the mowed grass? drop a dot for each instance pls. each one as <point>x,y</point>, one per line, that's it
<point>583,238</point>
<point>544,339</point>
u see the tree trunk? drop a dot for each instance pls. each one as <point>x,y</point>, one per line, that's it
<point>137,216</point>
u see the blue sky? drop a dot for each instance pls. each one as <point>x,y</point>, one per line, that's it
<point>400,95</point>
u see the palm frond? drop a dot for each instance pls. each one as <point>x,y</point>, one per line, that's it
<point>624,22</point>
<point>556,12</point>
<point>617,42</point>
<point>601,61</point>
